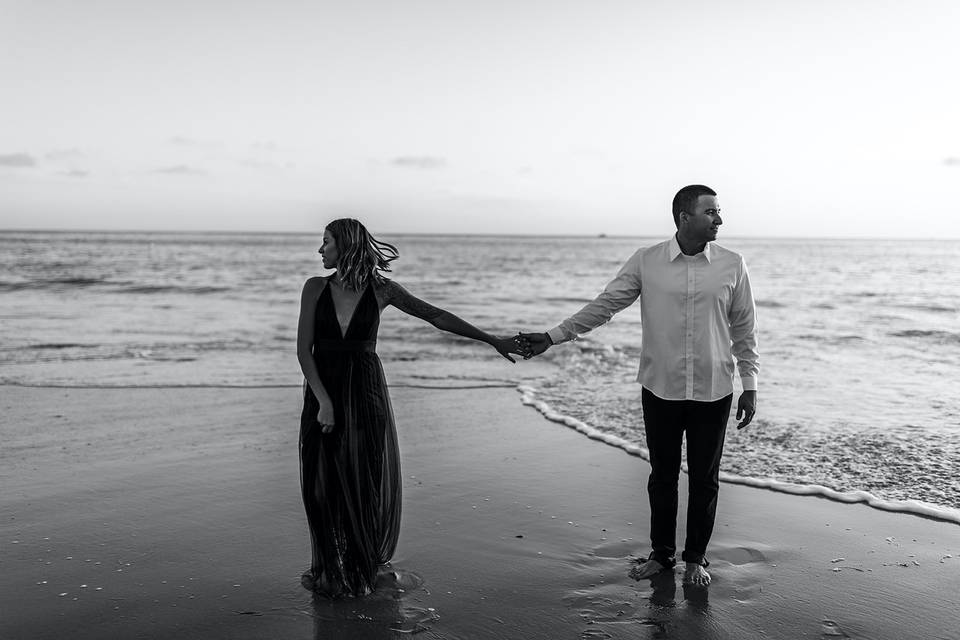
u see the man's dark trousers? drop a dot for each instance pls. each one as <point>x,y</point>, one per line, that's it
<point>705,424</point>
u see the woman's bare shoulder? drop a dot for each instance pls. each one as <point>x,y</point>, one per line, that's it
<point>315,285</point>
<point>387,285</point>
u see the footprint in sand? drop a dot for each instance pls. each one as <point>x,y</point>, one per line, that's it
<point>738,555</point>
<point>739,571</point>
<point>589,634</point>
<point>390,579</point>
<point>394,584</point>
<point>830,629</point>
<point>617,549</point>
<point>415,619</point>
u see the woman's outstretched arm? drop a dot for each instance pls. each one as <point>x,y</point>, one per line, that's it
<point>308,308</point>
<point>446,321</point>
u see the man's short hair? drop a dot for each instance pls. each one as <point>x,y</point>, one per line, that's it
<point>686,199</point>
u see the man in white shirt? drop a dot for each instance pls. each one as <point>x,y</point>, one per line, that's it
<point>699,321</point>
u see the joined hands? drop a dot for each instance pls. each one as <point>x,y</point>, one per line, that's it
<point>533,344</point>
<point>525,345</point>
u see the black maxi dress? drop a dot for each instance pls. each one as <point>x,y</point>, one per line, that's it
<point>350,478</point>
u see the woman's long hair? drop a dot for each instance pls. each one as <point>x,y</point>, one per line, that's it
<point>362,257</point>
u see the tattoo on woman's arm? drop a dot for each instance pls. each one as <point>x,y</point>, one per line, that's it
<point>408,303</point>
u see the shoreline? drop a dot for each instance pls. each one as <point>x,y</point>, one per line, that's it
<point>175,513</point>
<point>528,398</point>
<point>909,507</point>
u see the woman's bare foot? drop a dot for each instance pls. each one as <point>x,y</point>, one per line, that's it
<point>320,584</point>
<point>646,569</point>
<point>309,581</point>
<point>696,575</point>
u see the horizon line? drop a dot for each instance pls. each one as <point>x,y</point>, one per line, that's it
<point>597,236</point>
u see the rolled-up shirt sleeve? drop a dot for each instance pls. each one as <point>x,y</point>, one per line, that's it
<point>619,294</point>
<point>743,330</point>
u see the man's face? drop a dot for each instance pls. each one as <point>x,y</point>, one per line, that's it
<point>704,221</point>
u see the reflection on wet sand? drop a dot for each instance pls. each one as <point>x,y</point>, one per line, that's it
<point>689,618</point>
<point>381,615</point>
<point>613,603</point>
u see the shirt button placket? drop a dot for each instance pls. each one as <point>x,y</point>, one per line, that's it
<point>691,290</point>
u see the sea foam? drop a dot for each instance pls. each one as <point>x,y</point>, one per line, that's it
<point>915,507</point>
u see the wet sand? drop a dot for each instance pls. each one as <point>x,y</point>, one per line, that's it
<point>160,513</point>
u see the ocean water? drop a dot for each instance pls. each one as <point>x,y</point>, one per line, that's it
<point>859,340</point>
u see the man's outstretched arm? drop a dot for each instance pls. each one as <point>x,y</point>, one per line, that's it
<point>619,294</point>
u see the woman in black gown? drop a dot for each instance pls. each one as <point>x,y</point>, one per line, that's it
<point>349,460</point>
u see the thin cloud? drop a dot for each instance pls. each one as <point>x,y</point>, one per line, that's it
<point>75,173</point>
<point>65,155</point>
<point>181,170</point>
<point>17,160</point>
<point>265,145</point>
<point>419,162</point>
<point>265,165</point>
<point>953,161</point>
<point>182,141</point>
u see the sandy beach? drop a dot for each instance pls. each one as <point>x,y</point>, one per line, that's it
<point>166,512</point>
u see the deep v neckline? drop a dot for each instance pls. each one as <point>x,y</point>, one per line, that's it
<point>333,303</point>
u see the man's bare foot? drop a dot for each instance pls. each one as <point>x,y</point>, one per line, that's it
<point>696,575</point>
<point>646,569</point>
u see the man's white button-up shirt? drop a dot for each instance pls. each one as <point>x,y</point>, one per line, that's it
<point>697,314</point>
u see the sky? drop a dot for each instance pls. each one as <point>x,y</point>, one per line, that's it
<point>813,118</point>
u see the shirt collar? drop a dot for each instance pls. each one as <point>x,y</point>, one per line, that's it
<point>674,249</point>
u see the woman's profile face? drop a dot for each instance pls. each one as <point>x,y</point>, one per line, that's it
<point>328,251</point>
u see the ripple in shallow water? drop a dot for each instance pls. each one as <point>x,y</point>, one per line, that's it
<point>893,461</point>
